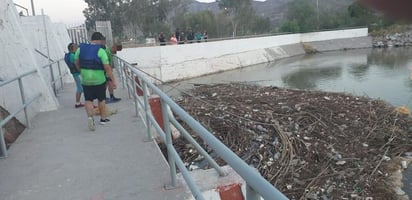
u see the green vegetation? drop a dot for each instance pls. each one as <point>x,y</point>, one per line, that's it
<point>137,18</point>
<point>303,15</point>
<point>390,30</point>
<point>147,18</point>
<point>200,21</point>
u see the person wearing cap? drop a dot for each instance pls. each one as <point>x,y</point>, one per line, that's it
<point>93,63</point>
<point>69,59</point>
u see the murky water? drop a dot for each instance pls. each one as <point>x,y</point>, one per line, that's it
<point>377,73</point>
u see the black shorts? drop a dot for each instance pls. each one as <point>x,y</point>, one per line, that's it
<point>94,92</point>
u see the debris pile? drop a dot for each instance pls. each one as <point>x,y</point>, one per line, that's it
<point>309,144</point>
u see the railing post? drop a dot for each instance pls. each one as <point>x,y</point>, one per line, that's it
<point>169,143</point>
<point>52,79</point>
<point>135,98</point>
<point>60,75</point>
<point>251,194</point>
<point>123,72</point>
<point>147,110</point>
<point>116,63</point>
<point>23,100</point>
<point>129,78</point>
<point>3,146</point>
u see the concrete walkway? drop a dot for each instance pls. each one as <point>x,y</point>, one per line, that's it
<point>60,159</point>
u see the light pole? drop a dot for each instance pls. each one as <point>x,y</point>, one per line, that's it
<point>32,8</point>
<point>317,13</point>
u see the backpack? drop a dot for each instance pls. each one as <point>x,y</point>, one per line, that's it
<point>69,63</point>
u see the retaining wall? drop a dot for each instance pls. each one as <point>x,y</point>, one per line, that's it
<point>19,38</point>
<point>177,62</point>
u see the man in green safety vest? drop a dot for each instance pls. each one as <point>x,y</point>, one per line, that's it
<point>93,63</point>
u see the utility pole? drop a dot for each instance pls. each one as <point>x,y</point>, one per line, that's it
<point>317,14</point>
<point>32,8</point>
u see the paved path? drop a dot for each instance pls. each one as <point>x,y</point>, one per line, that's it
<point>60,159</point>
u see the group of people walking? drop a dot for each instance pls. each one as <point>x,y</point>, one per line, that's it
<point>180,37</point>
<point>91,68</point>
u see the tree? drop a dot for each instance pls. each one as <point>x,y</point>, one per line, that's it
<point>200,21</point>
<point>110,10</point>
<point>223,25</point>
<point>236,10</point>
<point>259,25</point>
<point>333,20</point>
<point>303,14</point>
<point>155,16</point>
<point>362,15</point>
<point>291,26</point>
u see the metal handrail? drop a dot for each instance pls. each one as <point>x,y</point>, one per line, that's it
<point>25,102</point>
<point>3,83</point>
<point>162,134</point>
<point>22,7</point>
<point>151,120</point>
<point>53,78</point>
<point>3,147</point>
<point>256,185</point>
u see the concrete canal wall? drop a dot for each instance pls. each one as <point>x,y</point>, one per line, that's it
<point>19,39</point>
<point>177,62</point>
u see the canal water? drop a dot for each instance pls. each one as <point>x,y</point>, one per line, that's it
<point>377,73</point>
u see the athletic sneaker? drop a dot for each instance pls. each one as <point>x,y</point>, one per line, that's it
<point>78,105</point>
<point>115,99</point>
<point>112,100</point>
<point>90,123</point>
<point>103,121</point>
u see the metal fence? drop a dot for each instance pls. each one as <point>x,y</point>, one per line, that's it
<point>135,43</point>
<point>256,185</point>
<point>105,27</point>
<point>26,101</point>
<point>78,34</point>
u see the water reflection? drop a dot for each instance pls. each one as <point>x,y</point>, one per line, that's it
<point>358,71</point>
<point>390,58</point>
<point>307,78</point>
<point>377,73</point>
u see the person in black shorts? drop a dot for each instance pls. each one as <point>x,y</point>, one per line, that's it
<point>93,63</point>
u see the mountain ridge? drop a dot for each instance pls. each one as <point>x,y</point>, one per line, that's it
<point>275,10</point>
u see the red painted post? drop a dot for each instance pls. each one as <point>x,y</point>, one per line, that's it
<point>230,192</point>
<point>155,105</point>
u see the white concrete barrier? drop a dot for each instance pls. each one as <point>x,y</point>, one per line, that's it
<point>176,62</point>
<point>18,39</point>
<point>35,29</point>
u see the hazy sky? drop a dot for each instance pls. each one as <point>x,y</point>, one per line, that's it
<point>65,11</point>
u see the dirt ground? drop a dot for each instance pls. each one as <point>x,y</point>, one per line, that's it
<point>11,129</point>
<point>309,144</point>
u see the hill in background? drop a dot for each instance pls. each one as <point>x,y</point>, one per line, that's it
<point>275,10</point>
